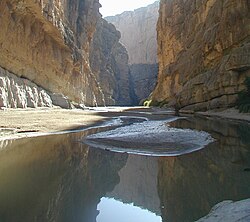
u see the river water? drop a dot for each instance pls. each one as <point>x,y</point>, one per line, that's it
<point>139,167</point>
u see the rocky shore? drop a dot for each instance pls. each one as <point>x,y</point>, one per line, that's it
<point>229,211</point>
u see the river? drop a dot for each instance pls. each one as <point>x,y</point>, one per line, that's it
<point>149,167</point>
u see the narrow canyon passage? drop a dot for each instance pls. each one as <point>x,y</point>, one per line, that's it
<point>124,111</point>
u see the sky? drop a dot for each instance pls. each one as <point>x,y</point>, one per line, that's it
<point>113,7</point>
<point>113,210</point>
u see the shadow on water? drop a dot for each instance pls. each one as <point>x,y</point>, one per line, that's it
<point>56,178</point>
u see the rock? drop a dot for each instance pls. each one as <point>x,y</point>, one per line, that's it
<point>138,35</point>
<point>18,92</point>
<point>142,80</point>
<point>48,43</point>
<point>203,52</point>
<point>60,100</point>
<point>109,63</point>
<point>229,211</point>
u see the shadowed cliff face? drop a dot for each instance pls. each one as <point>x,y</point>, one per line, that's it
<point>190,185</point>
<point>109,63</point>
<point>138,34</point>
<point>142,81</point>
<point>203,52</point>
<point>48,42</point>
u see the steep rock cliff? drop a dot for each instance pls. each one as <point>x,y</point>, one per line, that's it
<point>203,52</point>
<point>109,63</point>
<point>138,34</point>
<point>47,42</point>
<point>142,81</point>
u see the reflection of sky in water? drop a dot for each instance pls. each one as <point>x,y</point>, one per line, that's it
<point>112,210</point>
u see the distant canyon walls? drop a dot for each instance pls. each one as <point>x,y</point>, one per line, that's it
<point>203,52</point>
<point>109,63</point>
<point>138,35</point>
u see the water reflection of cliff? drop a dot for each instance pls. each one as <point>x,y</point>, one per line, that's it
<point>138,183</point>
<point>55,179</point>
<point>190,185</point>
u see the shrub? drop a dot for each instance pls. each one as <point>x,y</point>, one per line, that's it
<point>147,103</point>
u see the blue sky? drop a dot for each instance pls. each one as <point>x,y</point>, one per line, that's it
<point>112,210</point>
<point>113,7</point>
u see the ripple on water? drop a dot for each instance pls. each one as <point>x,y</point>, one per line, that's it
<point>154,138</point>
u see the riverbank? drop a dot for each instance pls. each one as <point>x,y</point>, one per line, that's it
<point>229,211</point>
<point>19,123</point>
<point>229,114</point>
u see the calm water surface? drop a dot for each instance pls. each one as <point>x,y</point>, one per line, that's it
<point>61,179</point>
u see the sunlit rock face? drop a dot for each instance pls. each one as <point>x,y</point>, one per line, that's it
<point>138,34</point>
<point>109,63</point>
<point>190,185</point>
<point>48,43</point>
<point>203,52</point>
<point>21,93</point>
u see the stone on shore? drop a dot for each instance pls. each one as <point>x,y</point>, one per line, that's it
<point>229,211</point>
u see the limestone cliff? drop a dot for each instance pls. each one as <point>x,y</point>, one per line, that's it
<point>21,93</point>
<point>138,34</point>
<point>47,42</point>
<point>109,63</point>
<point>203,52</point>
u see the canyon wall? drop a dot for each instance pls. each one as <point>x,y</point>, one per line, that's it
<point>138,35</point>
<point>48,43</point>
<point>21,93</point>
<point>109,63</point>
<point>203,52</point>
